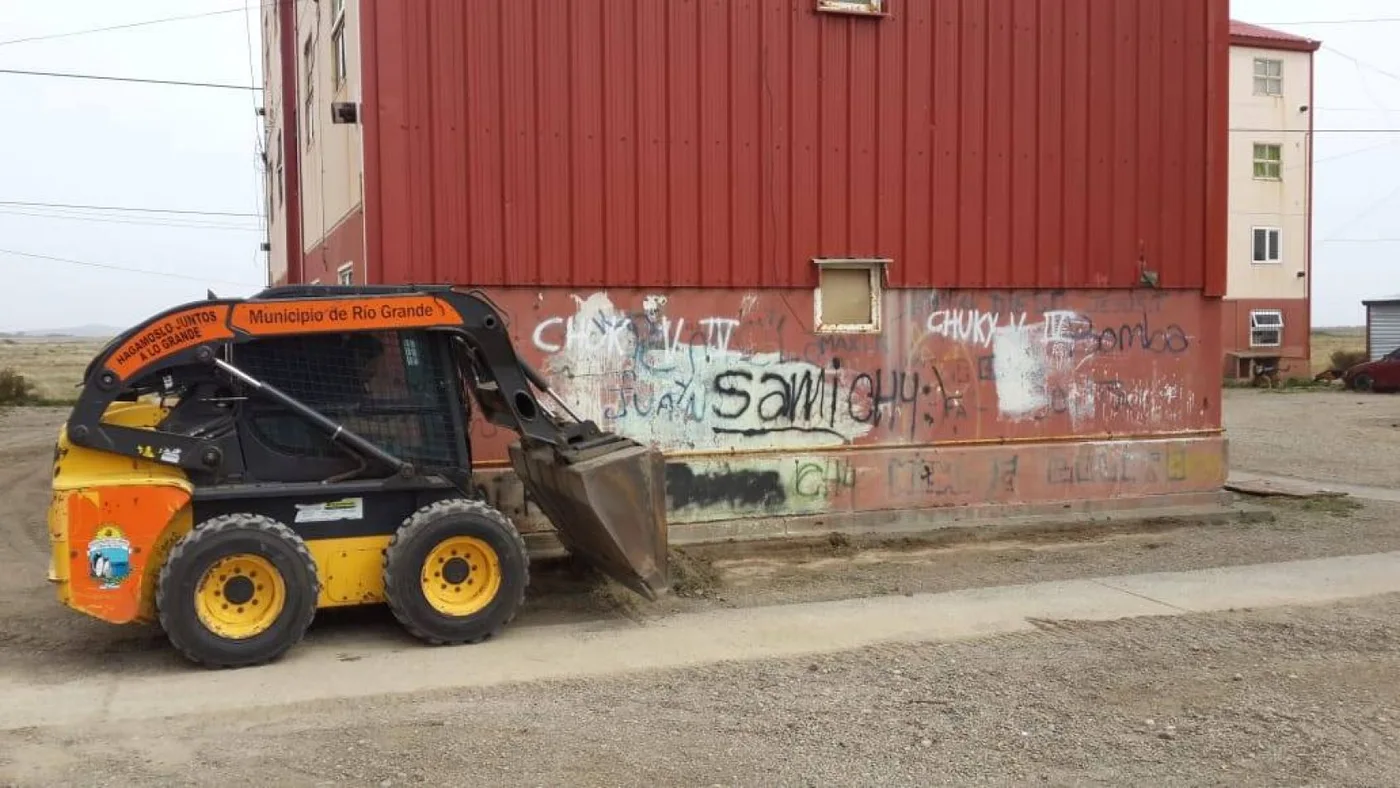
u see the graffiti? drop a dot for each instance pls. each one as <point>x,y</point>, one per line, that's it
<point>822,478</point>
<point>1004,475</point>
<point>635,336</point>
<point>726,487</point>
<point>1171,339</point>
<point>814,400</point>
<point>972,326</point>
<point>750,372</point>
<point>919,478</point>
<point>1091,465</point>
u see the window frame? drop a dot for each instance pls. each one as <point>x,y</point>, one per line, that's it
<point>345,274</point>
<point>340,61</point>
<point>1265,162</point>
<point>876,268</point>
<point>1272,84</point>
<point>308,101</point>
<point>1256,327</point>
<point>856,7</point>
<point>1277,234</point>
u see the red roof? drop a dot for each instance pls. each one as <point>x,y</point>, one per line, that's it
<point>1245,34</point>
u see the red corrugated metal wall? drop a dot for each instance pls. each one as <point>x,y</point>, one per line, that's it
<point>725,143</point>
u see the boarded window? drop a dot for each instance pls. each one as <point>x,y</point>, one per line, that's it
<point>848,295</point>
<point>873,7</point>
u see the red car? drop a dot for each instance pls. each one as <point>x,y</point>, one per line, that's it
<point>1383,374</point>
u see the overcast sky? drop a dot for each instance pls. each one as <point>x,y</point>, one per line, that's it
<point>113,144</point>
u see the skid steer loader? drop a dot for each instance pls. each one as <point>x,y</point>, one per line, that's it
<point>234,465</point>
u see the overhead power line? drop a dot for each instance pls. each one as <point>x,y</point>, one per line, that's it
<point>125,269</point>
<point>126,26</point>
<point>1358,61</point>
<point>107,78</point>
<point>1330,22</point>
<point>134,209</point>
<point>110,219</point>
<point>1317,131</point>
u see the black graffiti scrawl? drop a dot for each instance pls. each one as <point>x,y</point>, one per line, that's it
<point>737,489</point>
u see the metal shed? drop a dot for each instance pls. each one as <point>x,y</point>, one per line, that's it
<point>1382,326</point>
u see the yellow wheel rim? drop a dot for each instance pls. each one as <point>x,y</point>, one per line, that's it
<point>240,596</point>
<point>461,576</point>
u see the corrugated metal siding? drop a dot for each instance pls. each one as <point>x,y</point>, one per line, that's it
<point>1383,328</point>
<point>725,143</point>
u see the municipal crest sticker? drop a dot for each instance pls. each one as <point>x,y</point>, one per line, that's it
<point>109,557</point>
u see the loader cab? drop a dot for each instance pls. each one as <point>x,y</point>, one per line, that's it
<point>401,390</point>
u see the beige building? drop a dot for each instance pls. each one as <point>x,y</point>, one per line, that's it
<point>1267,304</point>
<point>315,183</point>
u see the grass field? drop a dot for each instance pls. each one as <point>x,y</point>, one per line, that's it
<point>54,365</point>
<point>1326,341</point>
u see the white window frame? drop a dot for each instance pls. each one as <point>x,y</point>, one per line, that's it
<point>1268,76</point>
<point>1266,168</point>
<point>340,68</point>
<point>863,7</point>
<point>345,275</point>
<point>1278,236</point>
<point>1260,327</point>
<point>308,101</point>
<point>876,268</point>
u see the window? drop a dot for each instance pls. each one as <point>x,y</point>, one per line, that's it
<point>308,107</point>
<point>1267,243</point>
<point>1268,77</point>
<point>277,154</point>
<point>872,7</point>
<point>345,275</point>
<point>1265,328</point>
<point>848,295</point>
<point>1268,161</point>
<point>340,64</point>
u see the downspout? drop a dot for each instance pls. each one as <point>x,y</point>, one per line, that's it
<point>291,139</point>
<point>1308,212</point>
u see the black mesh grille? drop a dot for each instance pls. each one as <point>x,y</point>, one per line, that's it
<point>392,388</point>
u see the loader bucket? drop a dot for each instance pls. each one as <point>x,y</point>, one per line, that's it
<point>608,504</point>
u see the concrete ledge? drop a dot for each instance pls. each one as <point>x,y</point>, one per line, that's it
<point>964,523</point>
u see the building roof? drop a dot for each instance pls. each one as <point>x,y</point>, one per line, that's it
<point>1385,301</point>
<point>1247,35</point>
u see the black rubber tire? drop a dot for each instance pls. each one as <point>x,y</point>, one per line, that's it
<point>227,535</point>
<point>408,549</point>
<point>1362,383</point>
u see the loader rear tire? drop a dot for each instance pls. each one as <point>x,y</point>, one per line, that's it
<point>456,572</point>
<point>238,590</point>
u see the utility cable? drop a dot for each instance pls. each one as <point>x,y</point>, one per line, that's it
<point>126,26</point>
<point>107,78</point>
<point>127,221</point>
<point>124,269</point>
<point>133,209</point>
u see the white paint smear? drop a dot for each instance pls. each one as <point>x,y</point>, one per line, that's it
<point>1019,369</point>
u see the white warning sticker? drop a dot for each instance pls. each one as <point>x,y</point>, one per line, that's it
<point>344,509</point>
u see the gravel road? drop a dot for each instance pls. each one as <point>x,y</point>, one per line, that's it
<point>1332,436</point>
<point>1277,697</point>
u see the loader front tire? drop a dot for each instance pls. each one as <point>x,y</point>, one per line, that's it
<point>237,590</point>
<point>455,572</point>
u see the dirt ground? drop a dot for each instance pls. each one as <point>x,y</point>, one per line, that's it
<point>1316,696</point>
<point>1304,696</point>
<point>1334,436</point>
